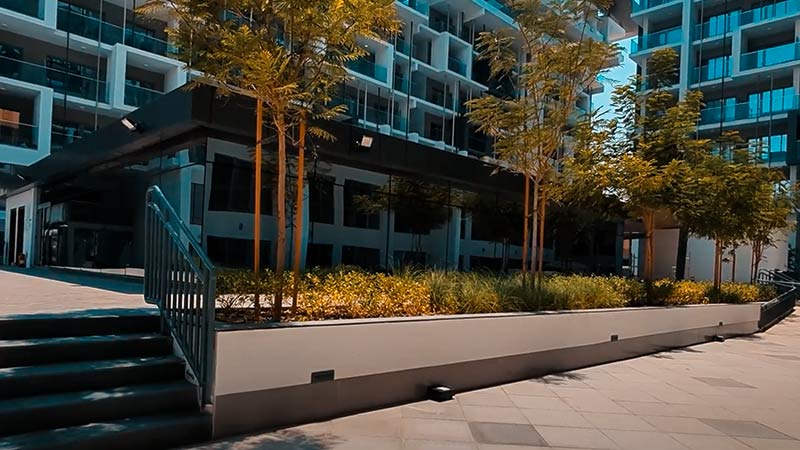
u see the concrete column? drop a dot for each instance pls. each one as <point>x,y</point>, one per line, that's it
<point>115,76</point>
<point>49,10</point>
<point>174,79</point>
<point>43,111</point>
<point>468,239</point>
<point>454,246</point>
<point>737,49</point>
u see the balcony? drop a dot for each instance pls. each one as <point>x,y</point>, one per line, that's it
<point>62,136</point>
<point>457,66</point>
<point>72,21</point>
<point>502,7</point>
<point>710,72</point>
<point>28,7</point>
<point>771,56</point>
<point>641,5</point>
<point>59,80</point>
<point>657,39</point>
<point>443,25</point>
<point>745,111</point>
<point>402,46</point>
<point>369,69</point>
<point>400,84</point>
<point>420,6</point>
<point>717,28</point>
<point>18,135</point>
<point>769,12</point>
<point>138,96</point>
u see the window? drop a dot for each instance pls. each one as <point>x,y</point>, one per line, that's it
<point>404,258</point>
<point>10,61</point>
<point>354,216</point>
<point>319,255</point>
<point>778,100</point>
<point>71,78</point>
<point>235,253</point>
<point>196,207</point>
<point>232,186</point>
<point>769,148</point>
<point>368,258</point>
<point>320,199</point>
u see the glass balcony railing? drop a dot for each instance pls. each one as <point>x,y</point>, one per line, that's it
<point>771,56</point>
<point>61,82</point>
<point>18,135</point>
<point>769,12</point>
<point>400,84</point>
<point>744,111</point>
<point>717,28</point>
<point>456,66</point>
<point>369,69</point>
<point>502,7</point>
<point>71,21</point>
<point>712,71</point>
<point>403,47</point>
<point>442,25</point>
<point>421,6</point>
<point>420,52</point>
<point>641,5</point>
<point>657,39</point>
<point>138,96</point>
<point>28,7</point>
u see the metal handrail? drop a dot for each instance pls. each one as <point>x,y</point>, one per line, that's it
<point>782,305</point>
<point>181,280</point>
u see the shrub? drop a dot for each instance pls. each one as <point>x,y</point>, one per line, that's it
<point>346,293</point>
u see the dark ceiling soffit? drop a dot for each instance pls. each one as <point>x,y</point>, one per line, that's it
<point>621,13</point>
<point>231,118</point>
<point>167,117</point>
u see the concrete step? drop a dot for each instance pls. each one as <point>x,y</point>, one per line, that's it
<point>43,412</point>
<point>78,324</point>
<point>31,352</point>
<point>136,433</point>
<point>86,375</point>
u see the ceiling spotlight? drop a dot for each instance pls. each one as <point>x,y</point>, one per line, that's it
<point>365,142</point>
<point>130,124</point>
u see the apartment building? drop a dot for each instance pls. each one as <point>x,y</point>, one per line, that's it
<point>744,56</point>
<point>69,68</point>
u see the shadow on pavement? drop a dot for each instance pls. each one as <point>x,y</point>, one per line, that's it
<point>279,440</point>
<point>104,282</point>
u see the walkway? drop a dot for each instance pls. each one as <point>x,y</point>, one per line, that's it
<point>47,291</point>
<point>743,394</point>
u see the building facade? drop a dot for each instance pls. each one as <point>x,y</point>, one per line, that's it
<point>69,68</point>
<point>744,56</point>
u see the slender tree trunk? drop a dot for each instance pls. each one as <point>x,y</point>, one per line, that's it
<point>648,219</point>
<point>540,244</point>
<point>280,258</point>
<point>257,213</point>
<point>525,212</point>
<point>717,264</point>
<point>298,214</point>
<point>733,265</point>
<point>758,251</point>
<point>535,230</point>
<point>680,259</point>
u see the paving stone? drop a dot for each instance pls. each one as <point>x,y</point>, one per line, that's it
<point>556,418</point>
<point>770,444</point>
<point>575,437</point>
<point>505,433</point>
<point>606,421</point>
<point>708,442</point>
<point>436,430</point>
<point>641,440</point>
<point>681,425</point>
<point>744,428</point>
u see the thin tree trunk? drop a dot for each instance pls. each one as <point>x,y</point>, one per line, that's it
<point>540,244</point>
<point>298,214</point>
<point>280,258</point>
<point>680,259</point>
<point>257,213</point>
<point>733,265</point>
<point>525,212</point>
<point>717,264</point>
<point>535,230</point>
<point>758,251</point>
<point>648,219</point>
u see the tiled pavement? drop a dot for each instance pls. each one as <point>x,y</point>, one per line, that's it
<point>46,291</point>
<point>742,394</point>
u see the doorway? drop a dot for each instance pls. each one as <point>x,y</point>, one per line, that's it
<point>16,234</point>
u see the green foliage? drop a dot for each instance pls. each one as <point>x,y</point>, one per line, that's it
<point>348,293</point>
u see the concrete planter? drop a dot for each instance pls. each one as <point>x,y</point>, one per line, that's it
<point>285,374</point>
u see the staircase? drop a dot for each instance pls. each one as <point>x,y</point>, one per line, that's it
<point>95,382</point>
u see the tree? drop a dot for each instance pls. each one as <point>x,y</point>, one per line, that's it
<point>286,54</point>
<point>547,68</point>
<point>642,159</point>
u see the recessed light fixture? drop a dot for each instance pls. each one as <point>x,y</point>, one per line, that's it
<point>4,24</point>
<point>130,124</point>
<point>146,65</point>
<point>83,47</point>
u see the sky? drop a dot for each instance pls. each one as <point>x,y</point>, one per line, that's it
<point>618,74</point>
